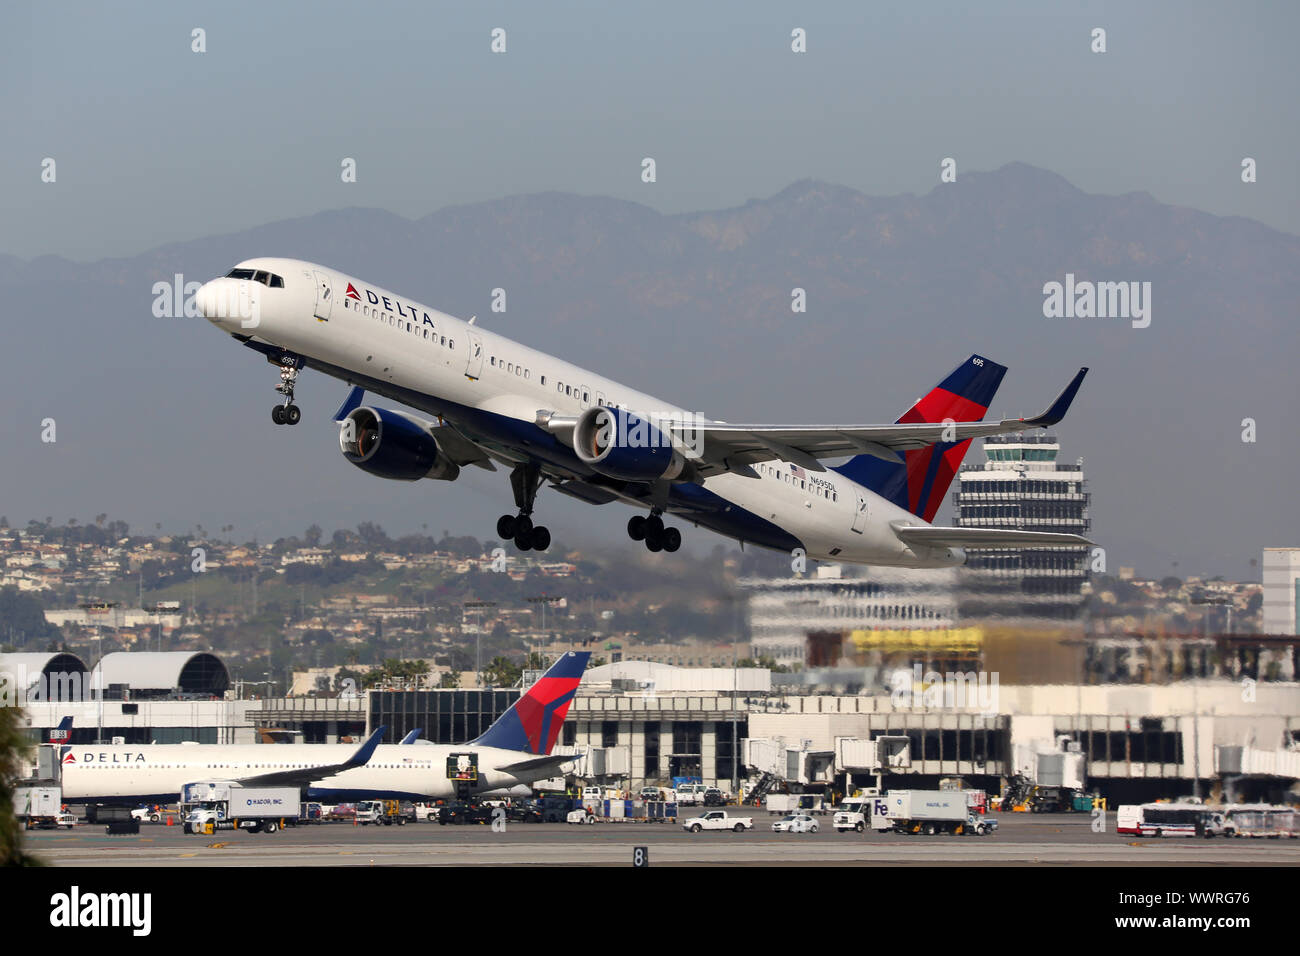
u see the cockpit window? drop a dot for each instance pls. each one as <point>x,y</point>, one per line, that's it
<point>266,278</point>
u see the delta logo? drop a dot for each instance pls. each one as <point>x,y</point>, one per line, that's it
<point>408,312</point>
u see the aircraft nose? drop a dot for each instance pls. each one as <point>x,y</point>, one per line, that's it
<point>205,300</point>
<point>228,303</point>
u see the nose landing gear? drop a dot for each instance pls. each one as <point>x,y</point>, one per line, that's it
<point>651,530</point>
<point>288,413</point>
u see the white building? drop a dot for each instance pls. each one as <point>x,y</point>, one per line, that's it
<point>1281,590</point>
<point>783,612</point>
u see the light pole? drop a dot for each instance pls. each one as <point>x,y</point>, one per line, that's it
<point>478,636</point>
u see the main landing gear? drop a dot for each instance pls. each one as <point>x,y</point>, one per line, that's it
<point>288,413</point>
<point>525,480</point>
<point>651,530</point>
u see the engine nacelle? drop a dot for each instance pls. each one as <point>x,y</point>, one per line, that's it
<point>392,445</point>
<point>624,445</point>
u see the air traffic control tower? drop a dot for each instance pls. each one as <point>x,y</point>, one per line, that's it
<point>1022,485</point>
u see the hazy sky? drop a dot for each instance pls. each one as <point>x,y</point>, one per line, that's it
<point>155,143</point>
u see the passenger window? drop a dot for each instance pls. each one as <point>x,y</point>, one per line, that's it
<point>451,343</point>
<point>525,373</point>
<point>543,379</point>
<point>444,340</point>
<point>426,333</point>
<point>519,370</point>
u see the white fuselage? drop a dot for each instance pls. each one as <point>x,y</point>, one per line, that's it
<point>156,772</point>
<point>444,365</point>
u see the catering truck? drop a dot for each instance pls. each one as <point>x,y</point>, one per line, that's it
<point>40,808</point>
<point>928,811</point>
<point>227,805</point>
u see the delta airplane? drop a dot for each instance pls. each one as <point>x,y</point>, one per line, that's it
<point>496,402</point>
<point>514,751</point>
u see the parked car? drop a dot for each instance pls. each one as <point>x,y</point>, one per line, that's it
<point>713,797</point>
<point>795,823</point>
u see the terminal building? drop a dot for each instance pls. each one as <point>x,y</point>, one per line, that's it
<point>1150,718</point>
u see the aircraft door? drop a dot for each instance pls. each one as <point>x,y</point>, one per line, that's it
<point>324,296</point>
<point>474,368</point>
<point>860,515</point>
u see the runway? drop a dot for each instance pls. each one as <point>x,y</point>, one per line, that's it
<point>1059,841</point>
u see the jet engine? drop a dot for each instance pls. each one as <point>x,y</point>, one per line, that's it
<point>392,445</point>
<point>621,444</point>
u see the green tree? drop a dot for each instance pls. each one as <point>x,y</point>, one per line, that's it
<point>502,672</point>
<point>13,745</point>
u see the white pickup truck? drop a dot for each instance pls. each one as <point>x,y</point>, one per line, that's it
<point>718,820</point>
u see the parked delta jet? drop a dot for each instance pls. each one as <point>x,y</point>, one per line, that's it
<point>494,401</point>
<point>514,751</point>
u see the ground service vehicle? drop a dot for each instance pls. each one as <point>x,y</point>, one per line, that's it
<point>464,813</point>
<point>385,812</point>
<point>226,805</point>
<point>784,803</point>
<point>38,807</point>
<point>718,820</point>
<point>581,815</point>
<point>928,811</point>
<point>650,793</point>
<point>795,823</point>
<point>714,797</point>
<point>854,813</point>
<point>690,794</point>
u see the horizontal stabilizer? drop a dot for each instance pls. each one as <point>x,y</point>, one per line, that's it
<point>984,538</point>
<point>538,768</point>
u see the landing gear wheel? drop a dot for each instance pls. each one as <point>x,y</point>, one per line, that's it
<point>654,526</point>
<point>524,540</point>
<point>277,414</point>
<point>654,542</point>
<point>292,414</point>
<point>506,527</point>
<point>636,527</point>
<point>672,539</point>
<point>541,536</point>
<point>523,525</point>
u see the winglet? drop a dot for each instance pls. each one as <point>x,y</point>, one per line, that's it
<point>350,404</point>
<point>366,750</point>
<point>412,737</point>
<point>1061,405</point>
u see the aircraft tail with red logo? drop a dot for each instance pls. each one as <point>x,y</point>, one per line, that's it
<point>533,724</point>
<point>919,483</point>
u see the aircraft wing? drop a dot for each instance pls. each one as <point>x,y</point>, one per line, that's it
<point>986,538</point>
<point>724,446</point>
<point>539,767</point>
<point>302,776</point>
